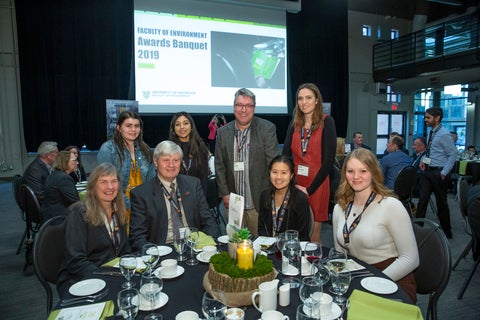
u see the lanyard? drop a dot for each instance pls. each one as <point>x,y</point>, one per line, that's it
<point>113,231</point>
<point>346,230</point>
<point>187,166</point>
<point>176,205</point>
<point>277,220</point>
<point>304,140</point>
<point>243,138</point>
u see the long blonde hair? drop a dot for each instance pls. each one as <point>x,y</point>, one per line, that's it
<point>317,117</point>
<point>345,192</point>
<point>94,210</point>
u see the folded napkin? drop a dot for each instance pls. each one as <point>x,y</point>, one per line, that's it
<point>367,306</point>
<point>204,240</point>
<point>87,312</point>
<point>115,264</point>
<point>352,265</point>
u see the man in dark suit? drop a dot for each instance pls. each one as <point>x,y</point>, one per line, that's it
<point>168,202</point>
<point>243,151</point>
<point>39,169</point>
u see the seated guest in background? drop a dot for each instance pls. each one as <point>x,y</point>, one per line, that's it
<point>39,169</point>
<point>195,152</point>
<point>394,161</point>
<point>168,202</point>
<point>372,224</point>
<point>283,206</point>
<point>340,153</point>
<point>393,134</point>
<point>79,174</point>
<point>60,191</point>
<point>358,142</point>
<point>419,147</point>
<point>95,231</point>
<point>470,153</point>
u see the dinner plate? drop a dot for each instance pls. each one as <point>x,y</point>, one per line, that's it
<point>201,258</point>
<point>87,287</point>
<point>334,313</point>
<point>379,285</point>
<point>146,306</point>
<point>223,239</point>
<point>164,250</point>
<point>159,274</point>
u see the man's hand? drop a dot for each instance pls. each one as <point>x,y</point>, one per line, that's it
<point>226,201</point>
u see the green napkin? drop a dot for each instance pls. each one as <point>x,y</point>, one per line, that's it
<point>107,311</point>
<point>114,264</point>
<point>111,263</point>
<point>204,240</point>
<point>367,306</point>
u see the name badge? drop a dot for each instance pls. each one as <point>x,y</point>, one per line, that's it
<point>426,160</point>
<point>239,166</point>
<point>302,171</point>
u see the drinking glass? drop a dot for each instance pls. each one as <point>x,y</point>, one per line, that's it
<point>179,244</point>
<point>214,304</point>
<point>313,251</point>
<point>302,315</point>
<point>279,245</point>
<point>337,259</point>
<point>291,259</point>
<point>150,256</point>
<point>310,293</point>
<point>128,264</point>
<point>192,236</point>
<point>150,288</point>
<point>320,271</point>
<point>340,284</point>
<point>128,301</point>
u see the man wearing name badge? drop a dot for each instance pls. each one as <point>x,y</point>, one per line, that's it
<point>168,202</point>
<point>243,151</point>
<point>437,163</point>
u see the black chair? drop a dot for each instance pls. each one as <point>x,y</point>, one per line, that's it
<point>17,181</point>
<point>462,189</point>
<point>433,273</point>
<point>213,200</point>
<point>33,220</point>
<point>404,185</point>
<point>48,252</point>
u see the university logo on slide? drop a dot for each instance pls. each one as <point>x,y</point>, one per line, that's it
<point>146,94</point>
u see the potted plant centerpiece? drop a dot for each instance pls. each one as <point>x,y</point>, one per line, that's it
<point>236,235</point>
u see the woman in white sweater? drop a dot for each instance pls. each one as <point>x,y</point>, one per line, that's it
<point>372,224</point>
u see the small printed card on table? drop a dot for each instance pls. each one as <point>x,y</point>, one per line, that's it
<point>235,210</point>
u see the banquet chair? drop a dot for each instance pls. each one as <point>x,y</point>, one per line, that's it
<point>48,254</point>
<point>404,185</point>
<point>33,220</point>
<point>17,181</point>
<point>433,273</point>
<point>462,189</point>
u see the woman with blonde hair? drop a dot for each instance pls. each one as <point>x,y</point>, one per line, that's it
<point>372,224</point>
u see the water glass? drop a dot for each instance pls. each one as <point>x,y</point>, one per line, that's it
<point>337,260</point>
<point>340,285</point>
<point>310,293</point>
<point>128,301</point>
<point>302,315</point>
<point>192,237</point>
<point>214,305</point>
<point>320,271</point>
<point>291,259</point>
<point>128,264</point>
<point>150,256</point>
<point>179,243</point>
<point>150,288</point>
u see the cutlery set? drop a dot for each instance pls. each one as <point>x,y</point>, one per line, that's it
<point>90,298</point>
<point>361,273</point>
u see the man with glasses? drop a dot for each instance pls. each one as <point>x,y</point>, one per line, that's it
<point>243,151</point>
<point>39,169</point>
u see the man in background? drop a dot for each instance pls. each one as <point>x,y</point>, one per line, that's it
<point>39,169</point>
<point>419,146</point>
<point>394,161</point>
<point>243,151</point>
<point>358,142</point>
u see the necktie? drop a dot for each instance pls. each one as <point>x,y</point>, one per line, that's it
<point>174,215</point>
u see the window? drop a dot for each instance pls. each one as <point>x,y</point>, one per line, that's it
<point>392,96</point>
<point>394,34</point>
<point>366,30</point>
<point>389,121</point>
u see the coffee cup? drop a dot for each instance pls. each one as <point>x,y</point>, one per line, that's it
<point>234,314</point>
<point>187,315</point>
<point>209,251</point>
<point>325,304</point>
<point>273,315</point>
<point>169,267</point>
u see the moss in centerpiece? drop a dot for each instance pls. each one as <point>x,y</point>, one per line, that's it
<point>226,265</point>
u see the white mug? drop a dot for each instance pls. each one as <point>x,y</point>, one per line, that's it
<point>169,267</point>
<point>325,304</point>
<point>267,295</point>
<point>209,251</point>
<point>274,315</point>
<point>187,315</point>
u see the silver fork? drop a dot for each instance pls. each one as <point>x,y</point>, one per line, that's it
<point>89,299</point>
<point>362,274</point>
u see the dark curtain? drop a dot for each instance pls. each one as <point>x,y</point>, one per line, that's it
<point>74,54</point>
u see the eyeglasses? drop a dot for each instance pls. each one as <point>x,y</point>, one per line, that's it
<point>246,106</point>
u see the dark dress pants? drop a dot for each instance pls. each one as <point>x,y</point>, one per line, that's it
<point>431,181</point>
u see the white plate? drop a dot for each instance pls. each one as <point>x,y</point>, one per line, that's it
<point>163,250</point>
<point>201,258</point>
<point>87,287</point>
<point>223,239</point>
<point>334,313</point>
<point>158,273</point>
<point>146,306</point>
<point>379,285</point>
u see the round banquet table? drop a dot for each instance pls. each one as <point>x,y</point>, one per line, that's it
<point>185,292</point>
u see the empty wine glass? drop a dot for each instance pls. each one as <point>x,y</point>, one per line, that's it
<point>337,260</point>
<point>320,271</point>
<point>128,301</point>
<point>340,285</point>
<point>128,264</point>
<point>150,288</point>
<point>302,315</point>
<point>214,304</point>
<point>279,245</point>
<point>310,293</point>
<point>192,236</point>
<point>150,256</point>
<point>179,244</point>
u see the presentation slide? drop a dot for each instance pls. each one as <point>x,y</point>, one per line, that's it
<point>196,63</point>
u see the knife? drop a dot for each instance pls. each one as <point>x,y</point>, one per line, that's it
<point>111,273</point>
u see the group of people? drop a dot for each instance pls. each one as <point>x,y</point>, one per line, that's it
<point>135,196</point>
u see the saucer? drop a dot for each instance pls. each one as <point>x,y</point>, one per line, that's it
<point>334,313</point>
<point>223,239</point>
<point>201,258</point>
<point>379,285</point>
<point>145,305</point>
<point>158,273</point>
